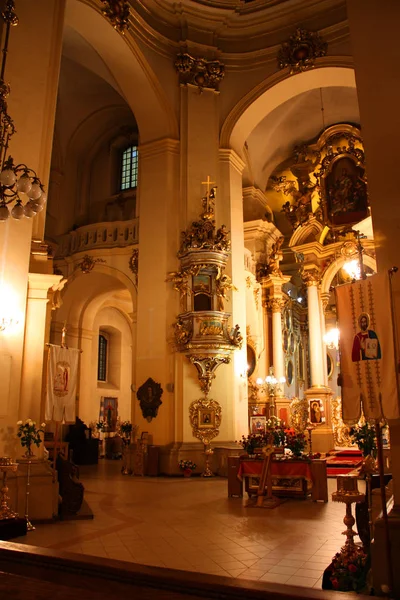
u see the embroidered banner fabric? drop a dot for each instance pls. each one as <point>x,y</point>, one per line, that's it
<point>367,358</point>
<point>61,384</point>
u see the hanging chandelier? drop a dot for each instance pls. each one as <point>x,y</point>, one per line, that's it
<point>19,185</point>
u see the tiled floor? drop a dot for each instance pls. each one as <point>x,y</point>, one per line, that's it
<point>191,524</point>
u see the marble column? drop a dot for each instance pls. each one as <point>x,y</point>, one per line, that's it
<point>314,326</point>
<point>276,305</point>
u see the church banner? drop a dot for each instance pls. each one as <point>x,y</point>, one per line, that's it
<point>61,384</point>
<point>367,357</point>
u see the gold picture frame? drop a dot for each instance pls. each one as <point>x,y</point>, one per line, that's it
<point>206,418</point>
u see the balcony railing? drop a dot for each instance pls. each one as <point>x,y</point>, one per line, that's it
<point>116,234</point>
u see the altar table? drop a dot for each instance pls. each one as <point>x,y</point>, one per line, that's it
<point>296,478</point>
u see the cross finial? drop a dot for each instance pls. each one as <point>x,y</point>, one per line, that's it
<point>208,183</point>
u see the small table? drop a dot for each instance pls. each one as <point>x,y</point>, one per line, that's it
<point>293,478</point>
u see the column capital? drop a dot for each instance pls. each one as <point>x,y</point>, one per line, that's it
<point>39,284</point>
<point>311,275</point>
<point>325,299</point>
<point>275,304</point>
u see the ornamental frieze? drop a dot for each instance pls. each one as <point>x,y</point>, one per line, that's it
<point>199,71</point>
<point>301,50</point>
<point>117,12</point>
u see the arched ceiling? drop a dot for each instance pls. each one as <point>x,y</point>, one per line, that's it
<point>295,121</point>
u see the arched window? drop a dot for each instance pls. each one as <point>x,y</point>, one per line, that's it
<point>102,358</point>
<point>129,168</point>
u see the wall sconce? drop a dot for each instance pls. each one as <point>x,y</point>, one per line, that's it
<point>331,339</point>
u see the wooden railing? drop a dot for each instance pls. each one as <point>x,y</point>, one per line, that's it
<point>114,234</point>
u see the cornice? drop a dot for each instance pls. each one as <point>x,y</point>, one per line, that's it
<point>151,149</point>
<point>230,156</point>
<point>232,29</point>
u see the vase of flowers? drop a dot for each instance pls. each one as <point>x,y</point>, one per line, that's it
<point>29,435</point>
<point>364,437</point>
<point>295,442</point>
<point>252,442</point>
<point>348,571</point>
<point>187,467</point>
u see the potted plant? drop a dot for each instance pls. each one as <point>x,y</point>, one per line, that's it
<point>29,434</point>
<point>125,429</point>
<point>187,466</point>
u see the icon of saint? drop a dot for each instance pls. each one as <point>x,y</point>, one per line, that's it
<point>366,344</point>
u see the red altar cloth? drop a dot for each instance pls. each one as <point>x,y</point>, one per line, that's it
<point>284,468</point>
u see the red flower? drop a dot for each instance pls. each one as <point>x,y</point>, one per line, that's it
<point>335,583</point>
<point>352,568</point>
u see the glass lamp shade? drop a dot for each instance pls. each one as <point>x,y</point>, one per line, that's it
<point>35,191</point>
<point>7,177</point>
<point>259,381</point>
<point>29,210</point>
<point>41,200</point>
<point>18,211</point>
<point>24,184</point>
<point>4,213</point>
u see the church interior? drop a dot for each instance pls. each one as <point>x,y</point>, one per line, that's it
<point>188,188</point>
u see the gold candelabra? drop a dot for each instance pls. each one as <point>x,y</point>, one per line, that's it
<point>6,467</point>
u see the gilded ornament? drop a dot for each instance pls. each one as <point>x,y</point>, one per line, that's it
<point>310,276</point>
<point>199,71</point>
<point>223,284</point>
<point>117,12</point>
<point>205,419</point>
<point>206,367</point>
<point>211,327</point>
<point>341,432</point>
<point>183,332</point>
<point>235,336</point>
<point>180,282</point>
<point>134,263</point>
<point>301,50</point>
<point>86,265</point>
<point>149,396</point>
<point>275,304</point>
<point>298,414</point>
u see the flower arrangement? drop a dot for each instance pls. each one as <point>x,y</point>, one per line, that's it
<point>100,425</point>
<point>275,427</point>
<point>349,570</point>
<point>364,437</point>
<point>125,429</point>
<point>29,434</point>
<point>252,441</point>
<point>295,442</point>
<point>186,465</point>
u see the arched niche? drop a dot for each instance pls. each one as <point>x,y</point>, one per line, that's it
<point>276,90</point>
<point>130,70</point>
<point>335,267</point>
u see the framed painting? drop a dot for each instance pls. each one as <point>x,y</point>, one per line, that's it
<point>316,411</point>
<point>258,424</point>
<point>206,418</point>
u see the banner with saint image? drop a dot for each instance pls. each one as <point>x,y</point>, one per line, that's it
<point>62,373</point>
<point>367,357</point>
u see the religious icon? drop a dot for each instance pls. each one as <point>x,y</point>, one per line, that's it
<point>366,345</point>
<point>317,415</point>
<point>149,396</point>
<point>258,424</point>
<point>206,418</point>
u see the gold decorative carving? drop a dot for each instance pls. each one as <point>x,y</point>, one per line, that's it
<point>342,183</point>
<point>349,249</point>
<point>199,71</point>
<point>183,332</point>
<point>235,336</point>
<point>201,234</point>
<point>341,433</point>
<point>223,284</point>
<point>201,430</point>
<point>180,282</point>
<point>301,50</point>
<point>206,367</point>
<point>275,304</point>
<point>86,265</point>
<point>211,327</point>
<point>310,276</point>
<point>298,416</point>
<point>134,263</point>
<point>117,12</point>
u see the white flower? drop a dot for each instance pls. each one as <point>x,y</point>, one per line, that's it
<point>19,422</point>
<point>43,425</point>
<point>28,422</point>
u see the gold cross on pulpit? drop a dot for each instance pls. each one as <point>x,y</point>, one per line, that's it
<point>209,199</point>
<point>208,183</point>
